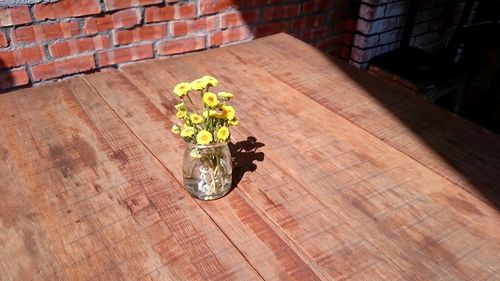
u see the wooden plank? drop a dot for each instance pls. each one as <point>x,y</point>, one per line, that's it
<point>456,149</point>
<point>147,110</point>
<point>356,206</point>
<point>24,245</point>
<point>82,198</point>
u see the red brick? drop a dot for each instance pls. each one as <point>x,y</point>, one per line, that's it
<point>316,33</point>
<point>179,46</point>
<point>396,9</point>
<point>308,22</point>
<point>344,3</point>
<point>339,27</point>
<point>361,41</point>
<point>144,33</point>
<point>257,3</point>
<point>271,28</point>
<point>126,18</point>
<point>312,6</point>
<point>13,78</point>
<point>362,56</point>
<point>345,53</point>
<point>43,32</point>
<point>340,15</point>
<point>240,18</point>
<point>77,46</point>
<point>125,55</point>
<point>66,9</point>
<point>61,68</point>
<point>181,28</point>
<point>216,6</point>
<point>330,43</point>
<point>369,12</point>
<point>14,16</point>
<point>334,53</point>
<point>3,40</point>
<point>350,25</point>
<point>154,14</point>
<point>279,12</point>
<point>347,39</point>
<point>122,4</point>
<point>22,56</point>
<point>230,35</point>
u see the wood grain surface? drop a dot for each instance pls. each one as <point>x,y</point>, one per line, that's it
<point>339,177</point>
<point>455,148</point>
<point>83,199</point>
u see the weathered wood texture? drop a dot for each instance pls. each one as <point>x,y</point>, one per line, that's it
<point>147,112</point>
<point>455,148</point>
<point>89,178</point>
<point>325,179</point>
<point>83,199</point>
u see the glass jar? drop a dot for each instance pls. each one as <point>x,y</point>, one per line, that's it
<point>207,170</point>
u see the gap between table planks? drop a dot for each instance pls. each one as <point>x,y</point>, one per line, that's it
<point>453,147</point>
<point>416,224</point>
<point>83,199</point>
<point>331,233</point>
<point>269,252</point>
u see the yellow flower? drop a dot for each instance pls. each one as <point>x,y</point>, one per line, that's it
<point>220,115</point>
<point>233,122</point>
<point>180,114</point>
<point>182,89</point>
<point>195,153</point>
<point>187,132</point>
<point>210,113</point>
<point>225,95</point>
<point>204,137</point>
<point>210,99</point>
<point>228,111</point>
<point>210,80</point>
<point>223,133</point>
<point>199,84</point>
<point>196,118</point>
<point>180,106</point>
<point>175,129</point>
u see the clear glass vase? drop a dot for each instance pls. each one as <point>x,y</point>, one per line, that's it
<point>207,170</point>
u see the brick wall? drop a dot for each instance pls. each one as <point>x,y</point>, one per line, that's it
<point>47,42</point>
<point>380,26</point>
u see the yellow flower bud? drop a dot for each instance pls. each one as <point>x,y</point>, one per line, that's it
<point>180,114</point>
<point>209,80</point>
<point>233,122</point>
<point>182,89</point>
<point>210,113</point>
<point>228,111</point>
<point>187,132</point>
<point>199,84</point>
<point>175,129</point>
<point>180,106</point>
<point>225,96</point>
<point>196,118</point>
<point>195,153</point>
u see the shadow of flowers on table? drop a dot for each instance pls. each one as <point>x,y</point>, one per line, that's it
<point>244,154</point>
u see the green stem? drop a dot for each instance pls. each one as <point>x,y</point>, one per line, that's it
<point>189,98</point>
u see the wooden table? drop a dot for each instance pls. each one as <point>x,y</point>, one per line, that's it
<point>352,178</point>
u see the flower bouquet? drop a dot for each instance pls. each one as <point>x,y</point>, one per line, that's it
<point>205,119</point>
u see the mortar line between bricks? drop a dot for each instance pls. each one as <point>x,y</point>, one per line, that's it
<point>275,23</point>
